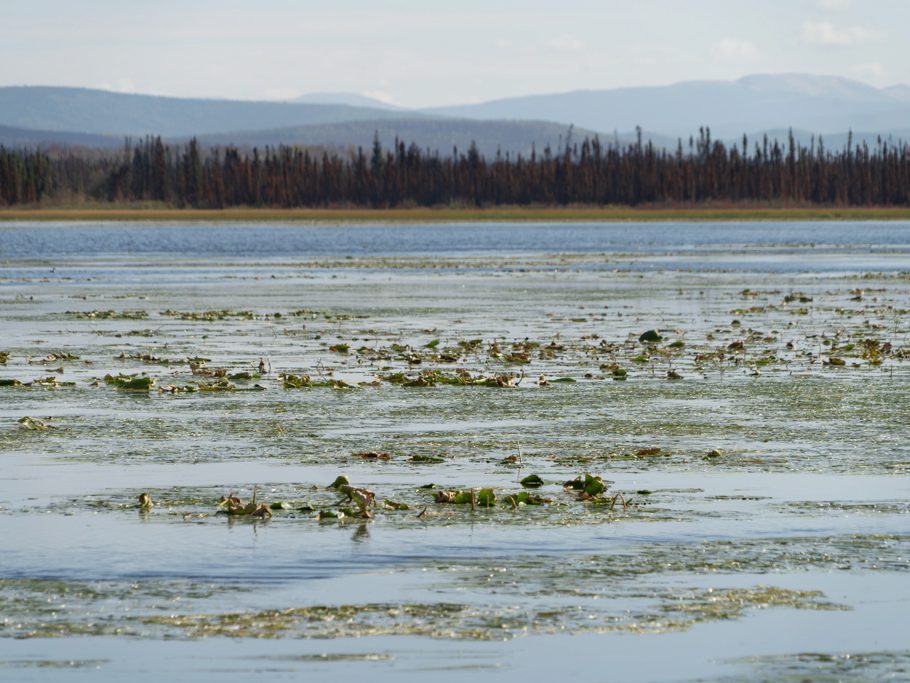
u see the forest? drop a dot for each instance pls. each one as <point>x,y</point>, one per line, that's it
<point>587,172</point>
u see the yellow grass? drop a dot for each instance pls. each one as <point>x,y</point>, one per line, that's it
<point>458,214</point>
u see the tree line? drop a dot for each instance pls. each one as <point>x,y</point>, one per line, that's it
<point>585,172</point>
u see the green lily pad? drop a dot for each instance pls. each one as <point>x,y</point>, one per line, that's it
<point>532,481</point>
<point>594,486</point>
<point>130,382</point>
<point>340,481</point>
<point>486,498</point>
<point>650,337</point>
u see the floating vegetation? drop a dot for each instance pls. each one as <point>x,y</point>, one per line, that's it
<point>50,381</point>
<point>134,382</point>
<point>460,377</point>
<point>650,337</point>
<point>148,358</point>
<point>232,505</point>
<point>372,455</point>
<point>597,494</point>
<point>673,611</point>
<point>55,357</point>
<point>209,316</point>
<point>31,424</point>
<point>828,667</point>
<point>109,314</point>
<point>177,389</point>
<point>290,381</point>
<point>243,376</point>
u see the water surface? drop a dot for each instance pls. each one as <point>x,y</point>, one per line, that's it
<point>764,534</point>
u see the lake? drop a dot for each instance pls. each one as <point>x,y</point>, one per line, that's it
<point>717,415</point>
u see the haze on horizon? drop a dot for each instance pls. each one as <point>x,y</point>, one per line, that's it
<point>403,53</point>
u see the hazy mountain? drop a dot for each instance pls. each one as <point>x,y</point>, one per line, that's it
<point>350,99</point>
<point>107,113</point>
<point>810,105</point>
<point>440,135</point>
<point>824,104</point>
<point>25,137</point>
<point>899,92</point>
<point>832,141</point>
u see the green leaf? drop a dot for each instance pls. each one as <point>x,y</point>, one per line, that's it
<point>130,382</point>
<point>532,481</point>
<point>650,337</point>
<point>463,497</point>
<point>340,481</point>
<point>594,486</point>
<point>486,498</point>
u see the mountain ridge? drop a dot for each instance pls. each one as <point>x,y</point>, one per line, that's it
<point>811,105</point>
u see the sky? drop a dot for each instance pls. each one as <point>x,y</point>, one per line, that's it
<point>419,53</point>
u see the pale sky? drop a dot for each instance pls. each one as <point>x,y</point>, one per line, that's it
<point>426,53</point>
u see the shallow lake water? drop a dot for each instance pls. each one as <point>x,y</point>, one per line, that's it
<point>753,451</point>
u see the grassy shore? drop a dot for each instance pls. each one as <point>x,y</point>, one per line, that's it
<point>342,215</point>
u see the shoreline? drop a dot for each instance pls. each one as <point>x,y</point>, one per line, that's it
<point>457,215</point>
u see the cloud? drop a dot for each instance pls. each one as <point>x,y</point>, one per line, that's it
<point>565,43</point>
<point>869,72</point>
<point>380,95</point>
<point>281,93</point>
<point>731,48</point>
<point>833,5</point>
<point>823,33</point>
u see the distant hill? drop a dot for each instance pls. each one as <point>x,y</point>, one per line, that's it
<point>16,138</point>
<point>832,141</point>
<point>350,99</point>
<point>823,104</point>
<point>440,135</point>
<point>810,105</point>
<point>81,110</point>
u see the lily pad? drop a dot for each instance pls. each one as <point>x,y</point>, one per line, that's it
<point>594,486</point>
<point>650,337</point>
<point>130,382</point>
<point>486,498</point>
<point>532,481</point>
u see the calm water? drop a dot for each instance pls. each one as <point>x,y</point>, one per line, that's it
<point>768,487</point>
<point>87,240</point>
